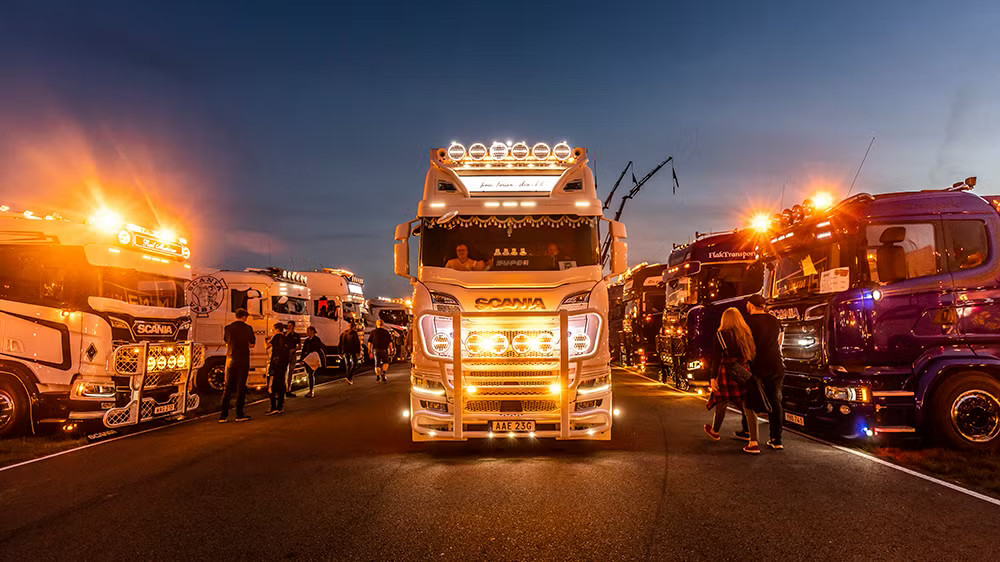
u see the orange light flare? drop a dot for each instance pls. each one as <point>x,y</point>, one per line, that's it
<point>760,222</point>
<point>106,177</point>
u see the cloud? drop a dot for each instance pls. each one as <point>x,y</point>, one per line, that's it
<point>259,243</point>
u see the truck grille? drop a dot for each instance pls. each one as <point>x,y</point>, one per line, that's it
<point>511,406</point>
<point>802,392</point>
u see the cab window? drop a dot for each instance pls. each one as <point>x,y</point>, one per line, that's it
<point>897,252</point>
<point>968,245</point>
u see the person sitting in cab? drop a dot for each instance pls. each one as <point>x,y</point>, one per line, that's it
<point>463,262</point>
<point>559,259</point>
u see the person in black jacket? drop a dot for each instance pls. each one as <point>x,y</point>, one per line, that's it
<point>293,339</point>
<point>350,346</point>
<point>280,347</point>
<point>767,366</point>
<point>380,342</point>
<point>239,340</point>
<point>312,344</point>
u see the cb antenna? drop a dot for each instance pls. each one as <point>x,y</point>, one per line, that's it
<point>856,174</point>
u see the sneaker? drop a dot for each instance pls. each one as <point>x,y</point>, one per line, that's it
<point>772,444</point>
<point>290,395</point>
<point>742,435</point>
<point>243,418</point>
<point>711,433</point>
<point>223,420</point>
<point>281,411</point>
<point>753,449</point>
<point>310,394</point>
<point>350,381</point>
<point>271,412</point>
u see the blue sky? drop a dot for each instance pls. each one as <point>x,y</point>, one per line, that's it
<point>297,134</point>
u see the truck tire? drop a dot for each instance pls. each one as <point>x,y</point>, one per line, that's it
<point>14,407</point>
<point>212,376</point>
<point>966,412</point>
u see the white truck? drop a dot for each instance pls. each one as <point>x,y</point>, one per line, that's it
<point>93,322</point>
<point>396,317</point>
<point>338,298</point>
<point>510,299</point>
<point>269,295</point>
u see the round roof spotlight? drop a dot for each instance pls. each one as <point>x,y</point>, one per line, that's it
<point>477,151</point>
<point>456,151</point>
<point>520,151</point>
<point>498,150</point>
<point>562,151</point>
<point>541,151</point>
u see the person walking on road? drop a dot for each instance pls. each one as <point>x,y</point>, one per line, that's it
<point>279,344</point>
<point>314,357</point>
<point>732,383</point>
<point>767,366</point>
<point>379,343</point>
<point>239,340</point>
<point>293,341</point>
<point>350,346</point>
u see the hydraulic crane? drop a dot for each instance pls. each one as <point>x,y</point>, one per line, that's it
<point>636,186</point>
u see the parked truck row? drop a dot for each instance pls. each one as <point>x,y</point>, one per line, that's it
<point>107,322</point>
<point>889,305</point>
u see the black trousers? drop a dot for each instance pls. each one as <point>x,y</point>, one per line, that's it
<point>772,390</point>
<point>236,381</point>
<point>350,362</point>
<point>276,389</point>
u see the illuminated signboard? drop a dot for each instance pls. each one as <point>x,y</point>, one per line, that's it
<point>510,184</point>
<point>151,244</point>
<point>355,289</point>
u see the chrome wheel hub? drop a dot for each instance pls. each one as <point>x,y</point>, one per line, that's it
<point>976,416</point>
<point>7,409</point>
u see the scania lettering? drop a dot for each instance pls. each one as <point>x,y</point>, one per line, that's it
<point>703,278</point>
<point>93,322</point>
<point>890,307</point>
<point>338,297</point>
<point>270,295</point>
<point>510,298</point>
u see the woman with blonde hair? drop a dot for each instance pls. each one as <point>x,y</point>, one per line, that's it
<point>732,383</point>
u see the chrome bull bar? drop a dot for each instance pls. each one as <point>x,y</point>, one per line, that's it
<point>150,365</point>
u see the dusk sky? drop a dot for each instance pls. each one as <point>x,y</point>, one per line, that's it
<point>298,134</point>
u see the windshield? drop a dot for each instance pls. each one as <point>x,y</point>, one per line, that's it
<point>716,282</point>
<point>503,243</point>
<point>653,301</point>
<point>138,287</point>
<point>294,305</point>
<point>398,317</point>
<point>813,270</point>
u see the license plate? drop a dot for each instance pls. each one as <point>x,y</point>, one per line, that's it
<point>163,409</point>
<point>798,420</point>
<point>512,425</point>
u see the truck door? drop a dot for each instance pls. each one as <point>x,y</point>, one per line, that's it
<point>255,298</point>
<point>973,270</point>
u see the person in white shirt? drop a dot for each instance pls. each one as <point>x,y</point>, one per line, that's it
<point>463,262</point>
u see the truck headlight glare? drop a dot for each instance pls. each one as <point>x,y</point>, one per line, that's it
<point>521,343</point>
<point>499,344</point>
<point>161,362</point>
<point>860,393</point>
<point>172,362</point>
<point>545,342</point>
<point>474,343</point>
<point>150,363</point>
<point>181,361</point>
<point>441,343</point>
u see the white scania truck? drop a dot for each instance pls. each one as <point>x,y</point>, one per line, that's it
<point>510,300</point>
<point>93,322</point>
<point>338,298</point>
<point>269,295</point>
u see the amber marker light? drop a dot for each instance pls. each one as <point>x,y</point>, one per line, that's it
<point>822,200</point>
<point>761,222</point>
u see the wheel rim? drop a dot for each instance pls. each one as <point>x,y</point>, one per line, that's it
<point>217,378</point>
<point>8,409</point>
<point>975,415</point>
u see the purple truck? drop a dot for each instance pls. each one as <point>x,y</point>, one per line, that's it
<point>703,279</point>
<point>641,305</point>
<point>891,312</point>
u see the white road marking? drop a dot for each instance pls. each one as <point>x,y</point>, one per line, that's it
<point>113,439</point>
<point>883,462</point>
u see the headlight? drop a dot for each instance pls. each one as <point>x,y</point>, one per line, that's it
<point>426,386</point>
<point>576,301</point>
<point>94,390</point>
<point>445,303</point>
<point>696,365</point>
<point>593,386</point>
<point>437,334</point>
<point>584,331</point>
<point>849,393</point>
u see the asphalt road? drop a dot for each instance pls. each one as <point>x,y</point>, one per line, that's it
<point>336,477</point>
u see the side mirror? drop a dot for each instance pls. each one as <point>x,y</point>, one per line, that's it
<point>283,300</point>
<point>402,231</point>
<point>402,258</point>
<point>619,256</point>
<point>253,294</point>
<point>617,229</point>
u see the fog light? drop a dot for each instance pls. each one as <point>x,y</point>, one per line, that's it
<point>616,412</point>
<point>521,343</point>
<point>545,342</point>
<point>471,389</point>
<point>406,413</point>
<point>499,344</point>
<point>150,363</point>
<point>440,343</point>
<point>531,434</point>
<point>844,409</point>
<point>555,388</point>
